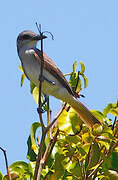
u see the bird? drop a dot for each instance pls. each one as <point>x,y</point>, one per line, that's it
<point>54,82</point>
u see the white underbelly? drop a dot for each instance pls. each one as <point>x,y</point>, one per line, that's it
<point>32,70</point>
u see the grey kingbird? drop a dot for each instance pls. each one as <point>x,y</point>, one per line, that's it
<point>54,82</point>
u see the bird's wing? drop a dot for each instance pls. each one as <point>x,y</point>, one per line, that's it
<point>51,67</point>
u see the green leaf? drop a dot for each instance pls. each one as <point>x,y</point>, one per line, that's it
<point>1,176</point>
<point>67,176</point>
<point>85,80</point>
<point>70,151</point>
<point>20,168</point>
<point>111,108</point>
<point>114,161</point>
<point>72,139</point>
<point>21,164</point>
<point>20,68</point>
<point>81,150</point>
<point>93,156</point>
<point>59,168</point>
<point>114,111</point>
<point>64,122</point>
<point>107,129</point>
<point>107,109</point>
<point>98,115</point>
<point>76,170</point>
<point>86,147</point>
<point>45,171</point>
<point>34,127</point>
<point>82,68</point>
<point>35,94</point>
<point>5,178</point>
<point>75,121</point>
<point>31,167</point>
<point>23,76</point>
<point>87,137</point>
<point>73,80</point>
<point>31,155</point>
<point>78,89</point>
<point>74,66</point>
<point>106,163</point>
<point>32,86</point>
<point>22,79</point>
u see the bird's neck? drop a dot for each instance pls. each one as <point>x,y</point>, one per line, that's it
<point>26,47</point>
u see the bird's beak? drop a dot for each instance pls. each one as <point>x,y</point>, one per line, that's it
<point>39,37</point>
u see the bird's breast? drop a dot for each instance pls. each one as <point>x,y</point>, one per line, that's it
<point>32,68</point>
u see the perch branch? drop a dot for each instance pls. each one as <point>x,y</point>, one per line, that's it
<point>6,161</point>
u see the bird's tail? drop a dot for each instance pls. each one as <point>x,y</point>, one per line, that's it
<point>83,112</point>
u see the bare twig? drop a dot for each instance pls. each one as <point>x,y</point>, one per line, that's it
<point>49,118</point>
<point>41,79</point>
<point>95,169</point>
<point>6,161</point>
<point>115,119</point>
<point>50,34</point>
<point>36,177</point>
<point>57,116</point>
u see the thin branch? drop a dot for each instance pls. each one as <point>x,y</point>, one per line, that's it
<point>38,161</point>
<point>95,169</point>
<point>50,147</point>
<point>68,74</point>
<point>49,33</point>
<point>47,152</point>
<point>6,161</point>
<point>111,149</point>
<point>57,116</point>
<point>49,118</point>
<point>115,119</point>
<point>36,176</point>
<point>40,84</point>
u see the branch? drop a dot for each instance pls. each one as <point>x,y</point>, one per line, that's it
<point>49,118</point>
<point>39,109</point>
<point>40,84</point>
<point>57,116</point>
<point>38,161</point>
<point>115,119</point>
<point>41,161</point>
<point>95,170</point>
<point>47,153</point>
<point>6,161</point>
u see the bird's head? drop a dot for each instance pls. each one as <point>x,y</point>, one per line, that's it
<point>28,39</point>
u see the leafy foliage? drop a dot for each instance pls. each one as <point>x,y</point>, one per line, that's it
<point>75,78</point>
<point>80,153</point>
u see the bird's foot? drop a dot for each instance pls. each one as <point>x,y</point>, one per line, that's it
<point>40,110</point>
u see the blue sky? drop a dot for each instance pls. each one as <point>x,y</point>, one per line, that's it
<point>84,31</point>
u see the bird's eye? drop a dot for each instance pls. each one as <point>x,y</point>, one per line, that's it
<point>25,37</point>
